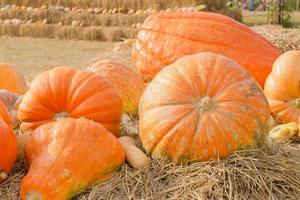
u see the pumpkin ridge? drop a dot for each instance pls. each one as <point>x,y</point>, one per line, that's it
<point>257,55</point>
<point>222,20</point>
<point>154,55</point>
<point>173,128</point>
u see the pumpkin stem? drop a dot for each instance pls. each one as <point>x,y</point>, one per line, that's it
<point>3,176</point>
<point>205,104</point>
<point>33,196</point>
<point>297,103</point>
<point>61,115</point>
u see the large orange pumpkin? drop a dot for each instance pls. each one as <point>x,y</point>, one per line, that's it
<point>8,149</point>
<point>282,87</point>
<point>125,79</point>
<point>67,92</point>
<point>165,37</point>
<point>67,157</point>
<point>11,79</point>
<point>202,107</point>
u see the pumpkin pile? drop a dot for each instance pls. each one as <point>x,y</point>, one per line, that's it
<point>204,100</point>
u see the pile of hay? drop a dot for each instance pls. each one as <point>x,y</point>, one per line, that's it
<point>272,172</point>
<point>285,39</point>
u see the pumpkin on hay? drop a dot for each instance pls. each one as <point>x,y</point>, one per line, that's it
<point>202,107</point>
<point>68,156</point>
<point>165,37</point>
<point>67,92</point>
<point>125,79</point>
<point>11,79</point>
<point>282,87</point>
<point>8,149</point>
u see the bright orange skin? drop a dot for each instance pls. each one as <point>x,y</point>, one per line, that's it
<point>202,107</point>
<point>8,148</point>
<point>125,79</point>
<point>76,92</point>
<point>67,157</point>
<point>4,113</point>
<point>282,87</point>
<point>165,37</point>
<point>11,79</point>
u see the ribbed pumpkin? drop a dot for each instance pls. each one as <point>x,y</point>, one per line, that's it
<point>282,87</point>
<point>67,157</point>
<point>125,79</point>
<point>8,149</point>
<point>12,79</point>
<point>67,92</point>
<point>165,37</point>
<point>202,107</point>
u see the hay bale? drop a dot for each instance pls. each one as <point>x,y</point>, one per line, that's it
<point>93,33</point>
<point>69,32</point>
<point>9,30</point>
<point>37,30</point>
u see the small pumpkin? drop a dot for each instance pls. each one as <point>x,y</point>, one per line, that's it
<point>125,79</point>
<point>8,149</point>
<point>11,79</point>
<point>67,92</point>
<point>68,156</point>
<point>202,107</point>
<point>282,87</point>
<point>283,132</point>
<point>166,37</point>
<point>134,156</point>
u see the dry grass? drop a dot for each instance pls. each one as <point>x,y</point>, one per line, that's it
<point>67,32</point>
<point>54,17</point>
<point>286,39</point>
<point>109,4</point>
<point>272,172</point>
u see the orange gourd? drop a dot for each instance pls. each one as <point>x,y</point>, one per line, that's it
<point>67,92</point>
<point>202,107</point>
<point>165,37</point>
<point>125,79</point>
<point>67,157</point>
<point>8,149</point>
<point>282,87</point>
<point>11,79</point>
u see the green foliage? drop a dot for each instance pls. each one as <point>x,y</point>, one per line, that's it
<point>280,15</point>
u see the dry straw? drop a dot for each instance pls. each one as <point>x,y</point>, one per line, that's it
<point>109,4</point>
<point>88,19</point>
<point>272,172</point>
<point>67,32</point>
